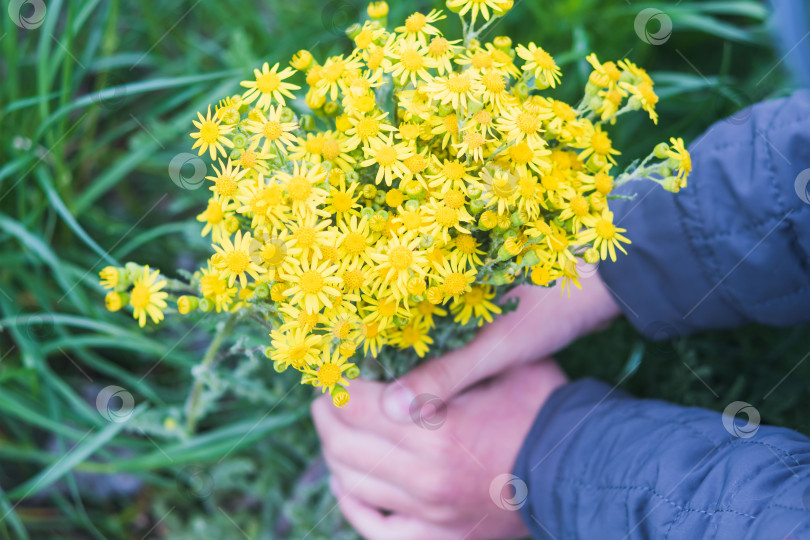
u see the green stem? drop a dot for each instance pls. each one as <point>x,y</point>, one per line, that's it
<point>193,402</point>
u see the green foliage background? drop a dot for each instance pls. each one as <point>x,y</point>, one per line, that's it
<point>93,106</point>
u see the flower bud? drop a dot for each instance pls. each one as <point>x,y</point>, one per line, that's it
<point>187,304</point>
<point>239,138</point>
<point>591,256</point>
<point>301,60</point>
<point>262,290</point>
<point>206,305</point>
<point>340,398</point>
<point>307,122</point>
<point>377,10</point>
<point>661,150</point>
<point>352,372</point>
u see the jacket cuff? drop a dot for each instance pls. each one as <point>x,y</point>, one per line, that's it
<point>546,445</point>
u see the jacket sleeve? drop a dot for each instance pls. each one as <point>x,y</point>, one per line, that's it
<point>601,464</point>
<point>734,246</point>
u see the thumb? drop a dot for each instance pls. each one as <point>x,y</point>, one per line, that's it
<point>424,391</point>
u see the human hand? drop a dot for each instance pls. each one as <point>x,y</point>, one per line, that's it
<point>544,323</point>
<point>444,475</point>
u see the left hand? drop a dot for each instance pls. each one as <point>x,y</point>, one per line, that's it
<point>433,477</point>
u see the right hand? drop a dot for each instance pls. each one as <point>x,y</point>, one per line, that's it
<point>544,323</point>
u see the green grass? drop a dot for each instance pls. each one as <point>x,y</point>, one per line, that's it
<point>93,106</point>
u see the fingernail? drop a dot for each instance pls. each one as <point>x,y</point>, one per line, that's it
<point>397,400</point>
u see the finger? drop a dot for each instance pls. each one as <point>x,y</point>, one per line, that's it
<point>375,492</point>
<point>373,525</point>
<point>391,461</point>
<point>363,413</point>
<point>511,339</point>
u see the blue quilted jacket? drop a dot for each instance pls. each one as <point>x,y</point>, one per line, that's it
<point>732,248</point>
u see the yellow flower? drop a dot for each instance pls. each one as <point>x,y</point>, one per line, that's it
<point>645,96</point>
<point>303,187</point>
<point>399,259</point>
<point>110,277</point>
<point>597,144</point>
<point>413,335</point>
<point>237,259</point>
<point>683,161</point>
<point>366,129</point>
<point>114,300</point>
<point>454,278</point>
<point>411,62</point>
<point>211,135</point>
<point>333,69</point>
<point>146,297</point>
<point>262,202</point>
<point>382,311</point>
<point>297,348</point>
<point>226,181</point>
<point>519,124</point>
<point>310,234</point>
<point>442,217</point>
<point>475,303</point>
<point>541,64</point>
<point>442,51</point>
<point>606,75</point>
<point>327,371</point>
<point>466,251</point>
<point>606,237</point>
<point>499,189</point>
<point>269,86</point>
<point>389,157</point>
<point>313,284</point>
<point>462,7</point>
<point>418,26</point>
<point>377,10</point>
<point>276,134</point>
<point>456,89</point>
<point>355,242</point>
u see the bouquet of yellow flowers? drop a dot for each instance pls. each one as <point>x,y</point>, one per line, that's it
<point>382,213</point>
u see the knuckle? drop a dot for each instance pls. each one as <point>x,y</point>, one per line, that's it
<point>435,487</point>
